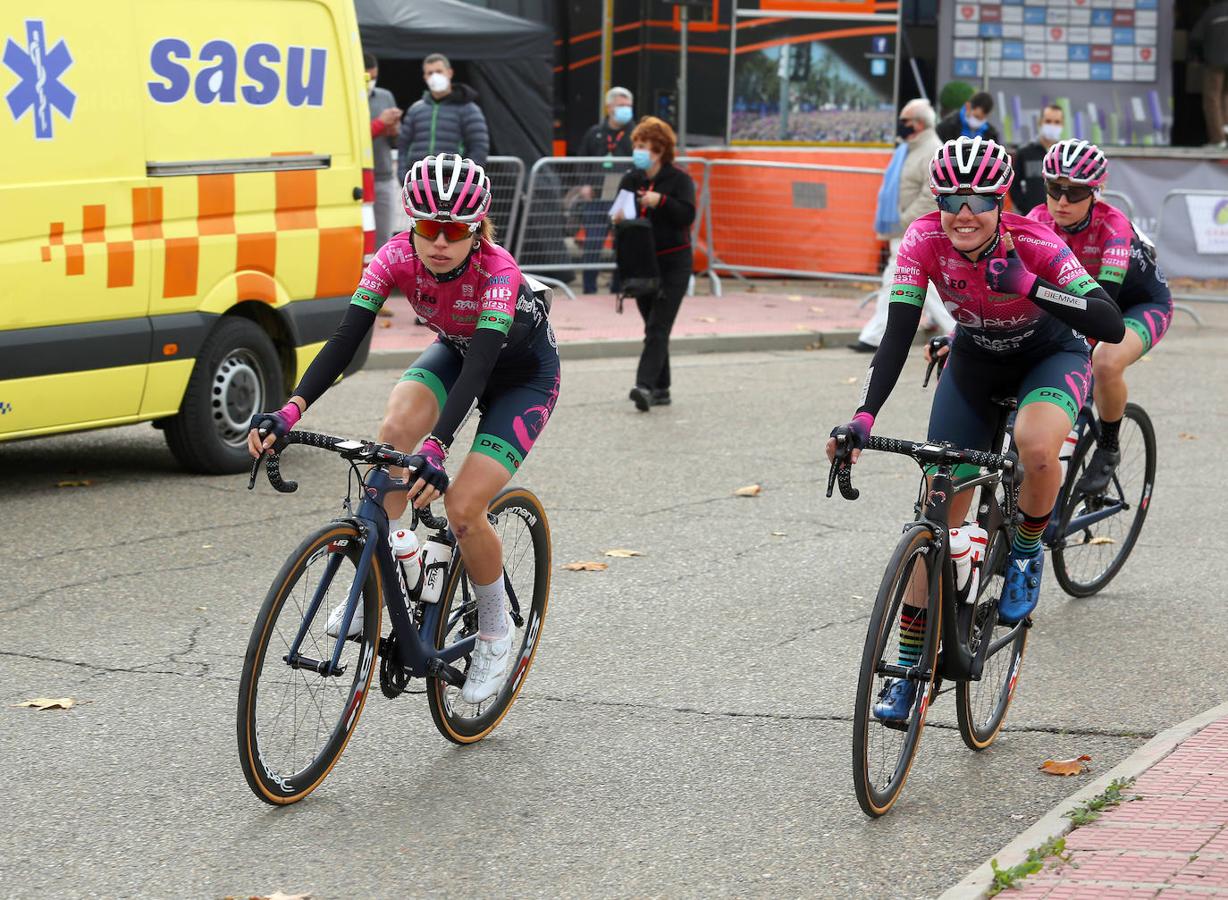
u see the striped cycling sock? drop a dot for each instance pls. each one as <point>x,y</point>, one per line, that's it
<point>912,634</point>
<point>1027,537</point>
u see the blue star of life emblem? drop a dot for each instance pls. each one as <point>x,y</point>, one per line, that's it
<point>39,87</point>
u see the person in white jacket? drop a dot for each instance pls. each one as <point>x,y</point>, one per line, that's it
<point>916,127</point>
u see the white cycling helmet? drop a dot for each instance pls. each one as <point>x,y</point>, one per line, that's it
<point>446,188</point>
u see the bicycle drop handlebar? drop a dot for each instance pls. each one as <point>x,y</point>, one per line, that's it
<point>925,454</point>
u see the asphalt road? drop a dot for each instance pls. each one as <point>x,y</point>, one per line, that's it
<point>686,728</point>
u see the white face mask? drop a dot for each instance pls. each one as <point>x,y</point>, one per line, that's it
<point>1051,132</point>
<point>438,82</point>
<point>974,122</point>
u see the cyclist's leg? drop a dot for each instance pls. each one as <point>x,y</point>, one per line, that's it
<point>413,408</point>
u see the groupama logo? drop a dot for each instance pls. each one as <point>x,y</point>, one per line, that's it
<point>38,71</point>
<point>213,74</point>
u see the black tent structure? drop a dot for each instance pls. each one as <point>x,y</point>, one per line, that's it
<point>510,62</point>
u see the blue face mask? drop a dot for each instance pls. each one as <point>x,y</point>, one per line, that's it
<point>622,114</point>
<point>641,158</point>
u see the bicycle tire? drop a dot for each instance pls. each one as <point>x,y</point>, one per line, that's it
<point>979,728</point>
<point>875,801</point>
<point>1069,555</point>
<point>263,767</point>
<point>459,617</point>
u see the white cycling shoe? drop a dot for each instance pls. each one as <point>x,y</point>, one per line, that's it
<point>333,626</point>
<point>488,667</point>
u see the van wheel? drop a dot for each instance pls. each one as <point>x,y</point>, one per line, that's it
<point>237,374</point>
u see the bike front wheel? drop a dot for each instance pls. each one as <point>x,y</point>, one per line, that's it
<point>1096,533</point>
<point>520,521</point>
<point>883,752</point>
<point>293,720</point>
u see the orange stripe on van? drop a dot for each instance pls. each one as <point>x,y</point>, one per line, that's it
<point>182,259</point>
<point>340,261</point>
<point>257,251</point>
<point>215,196</point>
<point>296,200</point>
<point>119,264</point>
<point>257,286</point>
<point>74,259</point>
<point>56,234</point>
<point>146,213</point>
<point>93,223</point>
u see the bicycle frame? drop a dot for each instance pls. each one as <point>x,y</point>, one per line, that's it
<point>414,653</point>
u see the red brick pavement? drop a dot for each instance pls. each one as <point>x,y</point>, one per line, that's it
<point>1172,841</point>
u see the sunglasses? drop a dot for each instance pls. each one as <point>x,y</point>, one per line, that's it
<point>453,231</point>
<point>1075,193</point>
<point>976,203</point>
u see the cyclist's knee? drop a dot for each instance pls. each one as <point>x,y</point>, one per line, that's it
<point>403,427</point>
<point>465,507</point>
<point>1036,452</point>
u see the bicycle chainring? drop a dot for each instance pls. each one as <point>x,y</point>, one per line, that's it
<point>393,677</point>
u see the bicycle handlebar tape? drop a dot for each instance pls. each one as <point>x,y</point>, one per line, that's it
<point>272,465</point>
<point>844,477</point>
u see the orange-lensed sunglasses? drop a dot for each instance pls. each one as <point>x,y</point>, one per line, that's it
<point>453,231</point>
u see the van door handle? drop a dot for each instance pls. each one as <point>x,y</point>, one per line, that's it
<point>357,193</point>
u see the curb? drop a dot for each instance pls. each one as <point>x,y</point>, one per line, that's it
<point>1054,825</point>
<point>624,347</point>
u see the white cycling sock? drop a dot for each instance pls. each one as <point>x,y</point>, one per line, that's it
<point>493,621</point>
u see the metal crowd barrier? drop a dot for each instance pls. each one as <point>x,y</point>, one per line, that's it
<point>1121,201</point>
<point>565,225</point>
<point>1176,247</point>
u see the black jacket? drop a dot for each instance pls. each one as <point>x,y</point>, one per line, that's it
<point>1028,188</point>
<point>672,219</point>
<point>953,126</point>
<point>454,124</point>
<point>602,140</point>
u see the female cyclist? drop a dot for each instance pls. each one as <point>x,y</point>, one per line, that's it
<point>1124,263</point>
<point>1017,306</point>
<point>495,347</point>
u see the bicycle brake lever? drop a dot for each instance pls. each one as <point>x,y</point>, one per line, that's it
<point>929,370</point>
<point>831,478</point>
<point>251,482</point>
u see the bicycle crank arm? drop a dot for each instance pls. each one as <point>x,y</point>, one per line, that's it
<point>437,668</point>
<point>298,661</point>
<point>910,672</point>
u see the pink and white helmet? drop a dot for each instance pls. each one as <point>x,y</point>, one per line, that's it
<point>447,188</point>
<point>1080,161</point>
<point>975,164</point>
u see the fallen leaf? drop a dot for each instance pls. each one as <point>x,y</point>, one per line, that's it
<point>780,534</point>
<point>49,703</point>
<point>851,380</point>
<point>751,490</point>
<point>858,597</point>
<point>83,483</point>
<point>802,326</point>
<point>794,298</point>
<point>1184,435</point>
<point>1144,359</point>
<point>206,546</point>
<point>705,319</point>
<point>817,345</point>
<point>1101,539</point>
<point>384,323</point>
<point>1065,766</point>
<point>620,553</point>
<point>817,309</point>
<point>586,567</point>
<point>384,313</point>
<point>278,895</point>
<point>202,608</point>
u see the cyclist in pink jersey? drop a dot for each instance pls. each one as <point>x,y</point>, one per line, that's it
<point>1123,261</point>
<point>495,349</point>
<point>1021,313</point>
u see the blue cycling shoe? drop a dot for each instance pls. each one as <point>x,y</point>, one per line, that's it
<point>1021,591</point>
<point>896,701</point>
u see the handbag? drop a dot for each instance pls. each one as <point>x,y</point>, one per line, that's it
<point>635,255</point>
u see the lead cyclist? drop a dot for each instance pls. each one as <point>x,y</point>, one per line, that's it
<point>1021,311</point>
<point>1123,262</point>
<point>495,350</point>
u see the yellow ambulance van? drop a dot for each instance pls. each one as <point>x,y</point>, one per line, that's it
<point>185,190</point>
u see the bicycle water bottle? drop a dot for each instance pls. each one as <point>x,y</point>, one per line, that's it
<point>436,557</point>
<point>968,545</point>
<point>1067,451</point>
<point>405,549</point>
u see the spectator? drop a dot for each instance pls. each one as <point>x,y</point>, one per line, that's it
<point>446,120</point>
<point>970,120</point>
<point>385,121</point>
<point>1028,189</point>
<point>1209,44</point>
<point>918,144</point>
<point>666,196</point>
<point>609,137</point>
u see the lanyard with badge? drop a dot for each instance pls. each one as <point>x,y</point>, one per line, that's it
<point>611,144</point>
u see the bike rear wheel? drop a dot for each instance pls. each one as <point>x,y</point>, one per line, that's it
<point>980,706</point>
<point>294,723</point>
<point>1086,559</point>
<point>883,754</point>
<point>524,532</point>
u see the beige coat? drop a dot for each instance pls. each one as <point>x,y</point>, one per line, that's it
<point>915,197</point>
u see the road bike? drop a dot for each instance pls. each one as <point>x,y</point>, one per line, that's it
<point>963,640</point>
<point>302,691</point>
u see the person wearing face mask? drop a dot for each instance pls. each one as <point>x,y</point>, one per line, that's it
<point>495,350</point>
<point>970,120</point>
<point>1022,308</point>
<point>446,120</point>
<point>385,122</point>
<point>1028,191</point>
<point>666,197</point>
<point>900,208</point>
<point>608,138</point>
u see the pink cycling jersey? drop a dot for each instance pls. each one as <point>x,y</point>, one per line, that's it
<point>1103,246</point>
<point>995,322</point>
<point>483,296</point>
